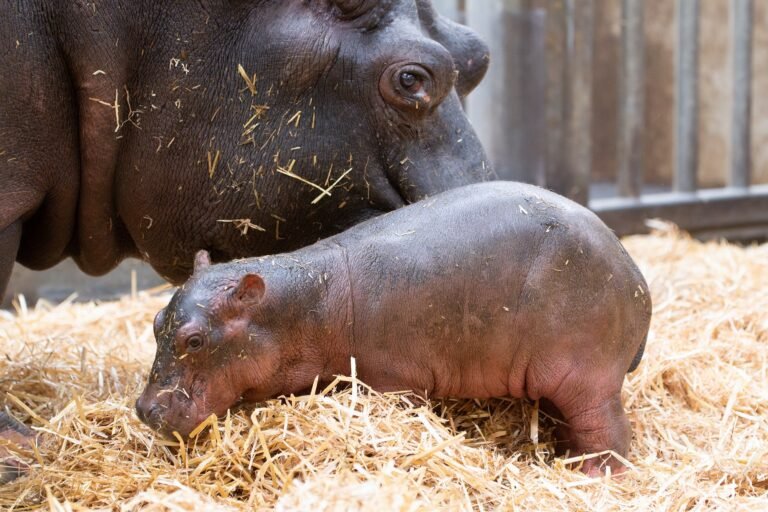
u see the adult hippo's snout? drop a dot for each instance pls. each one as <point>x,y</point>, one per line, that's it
<point>447,156</point>
<point>429,144</point>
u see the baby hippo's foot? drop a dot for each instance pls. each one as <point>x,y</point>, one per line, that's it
<point>14,437</point>
<point>594,432</point>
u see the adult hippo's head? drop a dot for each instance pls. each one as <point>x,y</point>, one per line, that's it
<point>381,79</point>
<point>280,122</point>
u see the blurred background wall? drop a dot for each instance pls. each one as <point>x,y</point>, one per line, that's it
<point>504,107</point>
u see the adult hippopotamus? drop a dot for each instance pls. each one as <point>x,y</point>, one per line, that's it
<point>492,290</point>
<point>156,129</point>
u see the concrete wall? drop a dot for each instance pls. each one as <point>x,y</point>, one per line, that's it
<point>65,279</point>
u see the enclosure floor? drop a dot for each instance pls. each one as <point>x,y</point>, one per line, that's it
<point>698,406</point>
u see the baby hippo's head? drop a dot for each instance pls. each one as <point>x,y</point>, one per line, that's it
<point>212,350</point>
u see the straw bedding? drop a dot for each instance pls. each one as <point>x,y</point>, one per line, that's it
<point>698,406</point>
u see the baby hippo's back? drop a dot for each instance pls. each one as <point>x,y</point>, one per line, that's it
<point>493,289</point>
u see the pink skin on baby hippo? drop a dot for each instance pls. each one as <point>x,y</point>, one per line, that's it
<point>491,290</point>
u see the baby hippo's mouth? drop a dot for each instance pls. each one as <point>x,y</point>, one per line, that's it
<point>245,404</point>
<point>166,412</point>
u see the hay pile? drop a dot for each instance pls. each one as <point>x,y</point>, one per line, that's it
<point>698,405</point>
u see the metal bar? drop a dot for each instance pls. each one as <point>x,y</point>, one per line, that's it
<point>579,121</point>
<point>723,212</point>
<point>534,93</point>
<point>741,129</point>
<point>510,106</point>
<point>570,144</point>
<point>687,100</point>
<point>632,97</point>
<point>555,100</point>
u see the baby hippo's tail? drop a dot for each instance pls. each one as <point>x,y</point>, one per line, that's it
<point>643,312</point>
<point>638,356</point>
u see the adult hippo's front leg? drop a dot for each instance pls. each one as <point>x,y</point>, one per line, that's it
<point>10,236</point>
<point>13,435</point>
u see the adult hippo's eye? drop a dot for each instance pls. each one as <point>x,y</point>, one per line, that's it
<point>410,82</point>
<point>414,81</point>
<point>351,9</point>
<point>408,86</point>
<point>194,343</point>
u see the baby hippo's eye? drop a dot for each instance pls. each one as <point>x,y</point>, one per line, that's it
<point>194,343</point>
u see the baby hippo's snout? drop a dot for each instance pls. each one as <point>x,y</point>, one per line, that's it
<point>166,413</point>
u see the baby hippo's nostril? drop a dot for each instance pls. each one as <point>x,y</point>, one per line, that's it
<point>149,412</point>
<point>154,415</point>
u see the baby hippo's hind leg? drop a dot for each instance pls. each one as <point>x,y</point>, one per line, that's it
<point>593,426</point>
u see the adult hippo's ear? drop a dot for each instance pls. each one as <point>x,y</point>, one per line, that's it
<point>202,261</point>
<point>250,289</point>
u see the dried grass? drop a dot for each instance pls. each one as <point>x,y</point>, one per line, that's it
<point>698,405</point>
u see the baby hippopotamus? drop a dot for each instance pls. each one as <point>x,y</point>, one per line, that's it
<point>491,290</point>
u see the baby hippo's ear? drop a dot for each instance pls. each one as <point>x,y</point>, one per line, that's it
<point>202,261</point>
<point>250,289</point>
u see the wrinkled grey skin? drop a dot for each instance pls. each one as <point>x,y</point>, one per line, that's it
<point>190,159</point>
<point>491,290</point>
